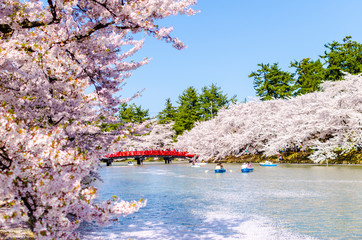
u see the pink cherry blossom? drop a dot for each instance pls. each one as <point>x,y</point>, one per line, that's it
<point>327,122</point>
<point>52,54</point>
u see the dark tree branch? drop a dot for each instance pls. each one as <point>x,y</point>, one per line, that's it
<point>6,164</point>
<point>53,12</point>
<point>27,24</point>
<point>105,6</point>
<point>93,30</point>
<point>6,29</point>
<point>88,34</point>
<point>31,206</point>
<point>77,61</point>
<point>51,122</point>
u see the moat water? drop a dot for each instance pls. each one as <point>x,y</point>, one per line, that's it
<point>283,202</point>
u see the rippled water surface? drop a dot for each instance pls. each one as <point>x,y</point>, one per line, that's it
<point>283,202</point>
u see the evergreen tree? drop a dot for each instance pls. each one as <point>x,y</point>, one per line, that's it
<point>132,113</point>
<point>310,75</point>
<point>168,114</point>
<point>271,82</point>
<point>343,57</point>
<point>211,100</point>
<point>188,111</point>
<point>194,107</point>
<point>127,114</point>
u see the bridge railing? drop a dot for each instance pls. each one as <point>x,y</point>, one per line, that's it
<point>150,153</point>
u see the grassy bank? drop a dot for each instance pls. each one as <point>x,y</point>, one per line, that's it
<point>16,234</point>
<point>353,157</point>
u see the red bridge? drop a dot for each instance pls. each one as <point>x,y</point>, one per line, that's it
<point>167,155</point>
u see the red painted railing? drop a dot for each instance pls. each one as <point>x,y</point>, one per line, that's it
<point>150,153</point>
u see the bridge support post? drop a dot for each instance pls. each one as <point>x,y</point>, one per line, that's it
<point>139,160</point>
<point>109,162</point>
<point>168,160</point>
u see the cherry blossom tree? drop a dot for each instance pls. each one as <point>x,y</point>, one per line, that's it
<point>158,136</point>
<point>161,136</point>
<point>50,53</point>
<point>327,123</point>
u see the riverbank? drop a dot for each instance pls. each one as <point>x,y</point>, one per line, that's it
<point>16,234</point>
<point>353,157</point>
<point>301,157</point>
<point>14,231</point>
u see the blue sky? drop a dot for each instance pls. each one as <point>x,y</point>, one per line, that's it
<point>227,40</point>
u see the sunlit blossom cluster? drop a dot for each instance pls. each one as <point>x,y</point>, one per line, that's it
<point>325,123</point>
<point>63,64</point>
<point>159,136</point>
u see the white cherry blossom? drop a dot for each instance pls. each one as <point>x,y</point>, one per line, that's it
<point>327,123</point>
<point>50,53</point>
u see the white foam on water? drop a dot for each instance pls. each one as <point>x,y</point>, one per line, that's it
<point>217,225</point>
<point>148,230</point>
<point>252,228</point>
<point>292,194</point>
<point>314,181</point>
<point>160,172</point>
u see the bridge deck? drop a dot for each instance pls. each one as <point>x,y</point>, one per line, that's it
<point>168,156</point>
<point>149,153</point>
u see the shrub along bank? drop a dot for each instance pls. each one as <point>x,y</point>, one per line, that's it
<point>353,157</point>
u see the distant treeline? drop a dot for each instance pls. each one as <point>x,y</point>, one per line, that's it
<point>191,107</point>
<point>270,82</point>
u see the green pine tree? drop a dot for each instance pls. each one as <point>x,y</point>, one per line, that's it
<point>271,82</point>
<point>168,114</point>
<point>127,114</point>
<point>309,74</point>
<point>343,57</point>
<point>188,111</point>
<point>211,100</point>
<point>132,113</point>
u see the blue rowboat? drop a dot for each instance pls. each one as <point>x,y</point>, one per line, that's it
<point>247,170</point>
<point>220,170</point>
<point>268,164</point>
